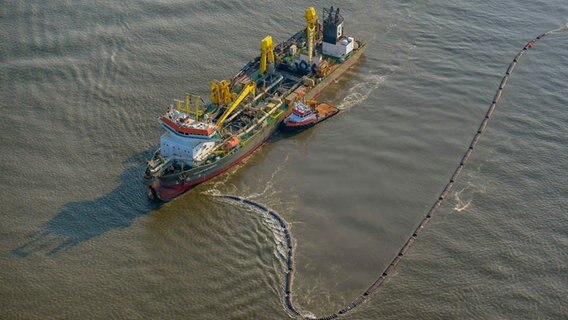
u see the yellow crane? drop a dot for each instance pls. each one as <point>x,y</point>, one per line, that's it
<point>221,92</point>
<point>226,94</point>
<point>250,88</point>
<point>267,53</point>
<point>191,100</point>
<point>311,20</point>
<point>215,92</point>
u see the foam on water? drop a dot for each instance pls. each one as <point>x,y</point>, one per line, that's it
<point>269,191</point>
<point>361,91</point>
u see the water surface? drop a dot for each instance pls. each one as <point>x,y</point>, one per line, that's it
<point>82,85</point>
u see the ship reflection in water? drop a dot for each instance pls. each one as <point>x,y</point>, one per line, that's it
<point>78,222</point>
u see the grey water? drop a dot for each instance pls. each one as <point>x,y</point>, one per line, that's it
<point>81,86</point>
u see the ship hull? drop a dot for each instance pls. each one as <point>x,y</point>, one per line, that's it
<point>298,128</point>
<point>167,188</point>
<point>325,111</point>
<point>287,127</point>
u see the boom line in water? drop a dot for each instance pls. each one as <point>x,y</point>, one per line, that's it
<point>288,279</point>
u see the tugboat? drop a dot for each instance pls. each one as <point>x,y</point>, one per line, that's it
<point>307,114</point>
<point>203,140</point>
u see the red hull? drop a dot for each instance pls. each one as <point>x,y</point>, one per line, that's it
<point>163,193</point>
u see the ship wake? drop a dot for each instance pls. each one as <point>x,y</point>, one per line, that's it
<point>361,91</point>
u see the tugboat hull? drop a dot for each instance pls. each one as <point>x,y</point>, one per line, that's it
<point>324,111</point>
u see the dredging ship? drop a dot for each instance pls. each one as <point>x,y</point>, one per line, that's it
<point>203,140</point>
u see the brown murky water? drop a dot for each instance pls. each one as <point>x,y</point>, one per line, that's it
<point>83,82</point>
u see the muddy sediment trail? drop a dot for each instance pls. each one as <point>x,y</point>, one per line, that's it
<point>376,284</point>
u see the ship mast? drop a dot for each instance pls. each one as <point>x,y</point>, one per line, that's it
<point>267,53</point>
<point>311,20</point>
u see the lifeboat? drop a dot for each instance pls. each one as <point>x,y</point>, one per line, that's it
<point>232,142</point>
